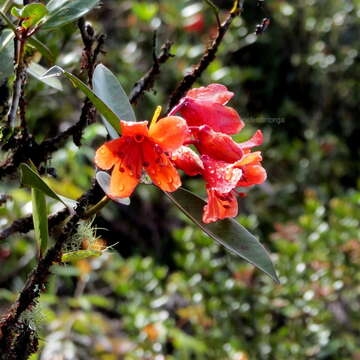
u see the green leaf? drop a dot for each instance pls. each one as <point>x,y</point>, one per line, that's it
<point>7,21</point>
<point>62,12</point>
<point>54,5</point>
<point>31,14</point>
<point>33,41</point>
<point>39,214</point>
<point>42,48</point>
<point>228,232</point>
<point>103,109</point>
<point>79,255</point>
<point>108,89</point>
<point>30,178</point>
<point>37,71</point>
<point>6,54</point>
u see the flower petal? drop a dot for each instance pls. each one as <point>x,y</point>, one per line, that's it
<point>131,128</point>
<point>252,174</point>
<point>219,206</point>
<point>256,140</point>
<point>169,132</point>
<point>127,171</point>
<point>219,175</point>
<point>187,160</point>
<point>217,145</point>
<point>220,118</point>
<point>108,154</point>
<point>122,183</point>
<point>253,158</point>
<point>216,93</point>
<point>159,167</point>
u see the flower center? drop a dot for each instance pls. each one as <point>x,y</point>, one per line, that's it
<point>139,138</point>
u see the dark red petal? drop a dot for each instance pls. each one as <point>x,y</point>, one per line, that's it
<point>220,118</point>
<point>217,145</point>
<point>219,206</point>
<point>187,160</point>
<point>216,93</point>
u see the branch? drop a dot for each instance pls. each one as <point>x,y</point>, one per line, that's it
<point>209,55</point>
<point>37,280</point>
<point>19,78</point>
<point>25,224</point>
<point>23,144</point>
<point>147,81</point>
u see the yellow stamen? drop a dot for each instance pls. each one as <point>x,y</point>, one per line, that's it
<point>235,7</point>
<point>156,115</point>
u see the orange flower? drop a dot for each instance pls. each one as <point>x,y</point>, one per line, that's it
<point>141,148</point>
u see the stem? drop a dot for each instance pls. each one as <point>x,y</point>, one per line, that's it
<point>97,207</point>
<point>19,79</point>
<point>215,10</point>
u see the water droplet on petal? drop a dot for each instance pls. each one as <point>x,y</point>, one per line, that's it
<point>121,187</point>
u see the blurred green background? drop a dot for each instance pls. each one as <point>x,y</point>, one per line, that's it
<point>165,290</point>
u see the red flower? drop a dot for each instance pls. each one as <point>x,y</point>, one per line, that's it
<point>141,148</point>
<point>221,146</point>
<point>219,206</point>
<point>253,172</point>
<point>188,161</point>
<point>222,178</point>
<point>206,106</point>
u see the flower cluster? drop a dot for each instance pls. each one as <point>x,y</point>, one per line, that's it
<point>207,124</point>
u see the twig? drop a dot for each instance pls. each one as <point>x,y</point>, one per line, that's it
<point>209,55</point>
<point>20,77</point>
<point>215,10</point>
<point>24,145</point>
<point>38,278</point>
<point>88,62</point>
<point>147,81</point>
<point>32,289</point>
<point>25,224</point>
